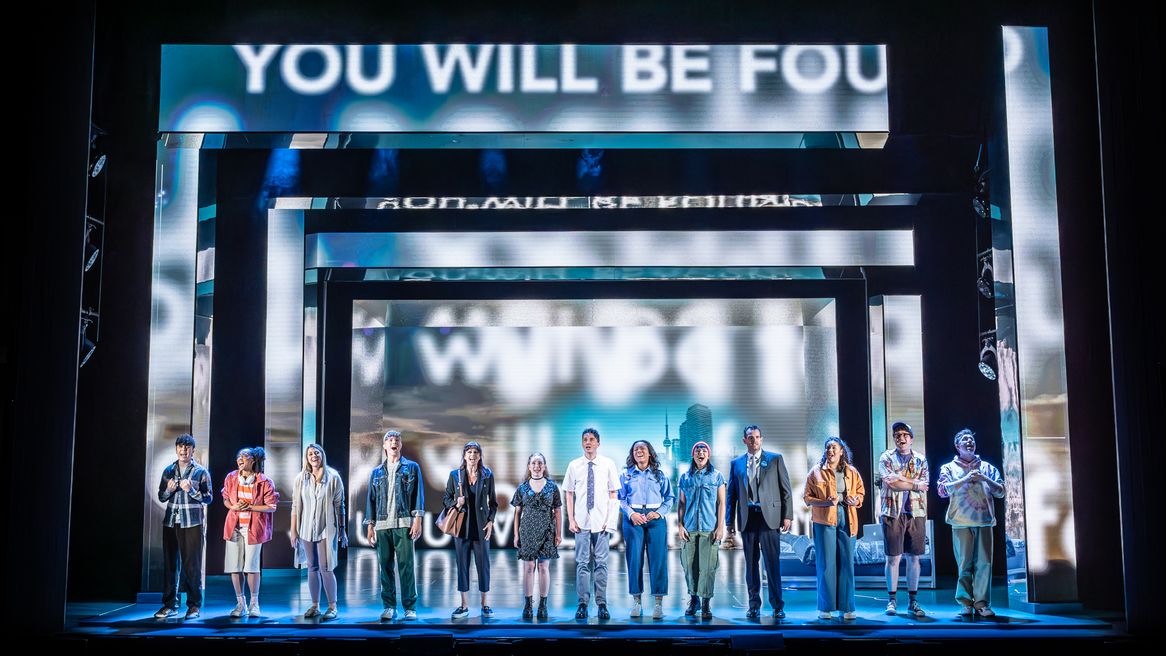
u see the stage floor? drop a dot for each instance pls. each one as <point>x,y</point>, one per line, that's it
<point>284,597</point>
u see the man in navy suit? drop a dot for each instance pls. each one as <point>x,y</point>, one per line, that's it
<point>759,497</point>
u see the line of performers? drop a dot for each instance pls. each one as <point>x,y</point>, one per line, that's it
<point>753,501</point>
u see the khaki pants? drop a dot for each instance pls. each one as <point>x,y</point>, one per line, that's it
<point>700,556</point>
<point>973,558</point>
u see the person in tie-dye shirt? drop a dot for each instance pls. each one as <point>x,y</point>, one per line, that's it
<point>972,485</point>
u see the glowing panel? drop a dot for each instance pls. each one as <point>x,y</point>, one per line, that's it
<point>498,88</point>
<point>631,248</point>
<point>528,375</point>
<point>1030,332</point>
<point>168,414</point>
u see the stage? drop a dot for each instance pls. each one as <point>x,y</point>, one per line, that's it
<point>284,597</point>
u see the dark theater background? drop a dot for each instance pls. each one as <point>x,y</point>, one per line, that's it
<point>856,251</point>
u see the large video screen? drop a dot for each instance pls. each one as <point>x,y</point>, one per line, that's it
<point>520,376</point>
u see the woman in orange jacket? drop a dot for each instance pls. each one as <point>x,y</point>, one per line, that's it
<point>834,493</point>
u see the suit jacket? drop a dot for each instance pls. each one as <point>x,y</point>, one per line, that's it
<point>773,488</point>
<point>487,505</point>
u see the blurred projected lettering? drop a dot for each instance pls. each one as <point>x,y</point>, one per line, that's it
<point>625,248</point>
<point>528,375</point>
<point>1031,337</point>
<point>728,201</point>
<point>505,87</point>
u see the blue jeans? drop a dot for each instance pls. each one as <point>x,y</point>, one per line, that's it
<point>834,563</point>
<point>652,537</point>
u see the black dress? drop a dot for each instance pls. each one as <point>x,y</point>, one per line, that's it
<point>536,529</point>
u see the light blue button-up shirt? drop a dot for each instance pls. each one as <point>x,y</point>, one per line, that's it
<point>700,499</point>
<point>645,488</point>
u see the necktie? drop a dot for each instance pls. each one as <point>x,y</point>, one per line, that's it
<point>590,485</point>
<point>753,478</point>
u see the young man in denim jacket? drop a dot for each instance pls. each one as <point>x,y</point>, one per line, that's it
<point>393,512</point>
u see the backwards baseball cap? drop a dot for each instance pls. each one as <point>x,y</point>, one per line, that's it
<point>701,443</point>
<point>902,425</point>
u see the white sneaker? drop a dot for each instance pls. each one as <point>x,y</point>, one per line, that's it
<point>967,611</point>
<point>253,611</point>
<point>239,608</point>
<point>986,611</point>
<point>825,615</point>
<point>850,615</point>
<point>658,611</point>
<point>389,614</point>
<point>410,614</point>
<point>892,608</point>
<point>637,608</point>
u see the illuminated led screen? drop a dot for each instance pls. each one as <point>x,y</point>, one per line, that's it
<point>524,88</point>
<point>520,376</point>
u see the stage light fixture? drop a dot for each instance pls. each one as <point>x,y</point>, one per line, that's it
<point>97,158</point>
<point>590,164</point>
<point>988,356</point>
<point>985,280</point>
<point>91,249</point>
<point>980,201</point>
<point>88,344</point>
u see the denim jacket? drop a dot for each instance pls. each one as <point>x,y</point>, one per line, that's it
<point>410,493</point>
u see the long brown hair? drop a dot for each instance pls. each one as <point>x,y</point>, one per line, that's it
<point>844,461</point>
<point>546,467</point>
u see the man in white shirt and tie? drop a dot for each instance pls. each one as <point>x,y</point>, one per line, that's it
<point>759,498</point>
<point>591,483</point>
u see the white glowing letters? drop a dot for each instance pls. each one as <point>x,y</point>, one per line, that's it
<point>314,69</point>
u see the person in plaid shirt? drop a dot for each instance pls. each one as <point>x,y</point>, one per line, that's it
<point>185,488</point>
<point>902,474</point>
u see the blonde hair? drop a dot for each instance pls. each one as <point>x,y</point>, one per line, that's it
<point>307,471</point>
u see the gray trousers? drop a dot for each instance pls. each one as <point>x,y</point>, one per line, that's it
<point>591,563</point>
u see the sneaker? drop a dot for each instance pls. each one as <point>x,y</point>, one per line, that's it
<point>658,611</point>
<point>779,613</point>
<point>239,608</point>
<point>487,611</point>
<point>165,612</point>
<point>603,614</point>
<point>313,611</point>
<point>253,611</point>
<point>824,615</point>
<point>915,609</point>
<point>892,608</point>
<point>388,614</point>
<point>637,608</point>
<point>693,606</point>
<point>460,612</point>
<point>410,614</point>
<point>753,613</point>
<point>193,613</point>
<point>986,611</point>
<point>967,611</point>
<point>850,615</point>
<point>329,614</point>
<point>581,612</point>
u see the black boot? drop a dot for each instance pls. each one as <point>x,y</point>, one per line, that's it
<point>693,604</point>
<point>527,611</point>
<point>706,613</point>
<point>542,608</point>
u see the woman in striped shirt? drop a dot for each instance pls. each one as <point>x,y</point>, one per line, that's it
<point>251,500</point>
